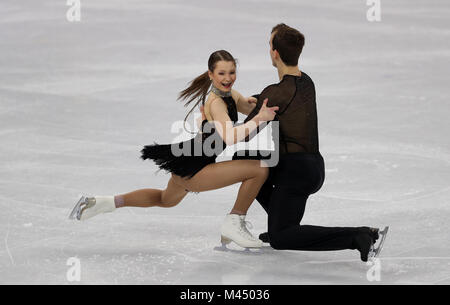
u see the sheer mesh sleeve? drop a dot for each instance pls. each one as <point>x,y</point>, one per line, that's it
<point>297,115</point>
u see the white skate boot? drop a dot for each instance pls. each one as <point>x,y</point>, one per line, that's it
<point>88,207</point>
<point>234,228</point>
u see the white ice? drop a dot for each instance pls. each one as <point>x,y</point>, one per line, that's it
<point>79,100</point>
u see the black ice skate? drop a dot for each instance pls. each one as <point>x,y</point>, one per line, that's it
<point>376,250</point>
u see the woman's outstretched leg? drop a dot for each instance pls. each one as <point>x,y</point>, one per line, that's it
<point>213,176</point>
<point>145,198</point>
<point>88,207</point>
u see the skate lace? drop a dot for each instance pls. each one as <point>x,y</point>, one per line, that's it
<point>244,229</point>
<point>248,224</point>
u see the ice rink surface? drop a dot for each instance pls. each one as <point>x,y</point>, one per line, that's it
<point>78,100</point>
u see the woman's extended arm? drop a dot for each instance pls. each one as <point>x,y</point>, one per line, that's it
<point>244,105</point>
<point>234,134</point>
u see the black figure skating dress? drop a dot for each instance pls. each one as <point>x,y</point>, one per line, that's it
<point>187,158</point>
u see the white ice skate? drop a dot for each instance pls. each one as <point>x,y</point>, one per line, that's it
<point>234,228</point>
<point>376,250</point>
<point>88,207</point>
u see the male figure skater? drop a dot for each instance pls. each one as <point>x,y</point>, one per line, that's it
<point>300,171</point>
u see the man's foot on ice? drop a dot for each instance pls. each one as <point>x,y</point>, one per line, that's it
<point>366,240</point>
<point>264,237</point>
<point>375,249</point>
<point>234,228</point>
<point>373,232</point>
<point>363,243</point>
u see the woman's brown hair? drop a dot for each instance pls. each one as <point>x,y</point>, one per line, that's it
<point>198,88</point>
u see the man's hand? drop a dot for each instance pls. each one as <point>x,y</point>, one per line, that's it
<point>249,105</point>
<point>267,113</point>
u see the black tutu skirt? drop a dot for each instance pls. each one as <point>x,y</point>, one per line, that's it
<point>181,165</point>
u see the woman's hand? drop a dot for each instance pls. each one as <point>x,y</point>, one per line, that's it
<point>267,113</point>
<point>252,100</point>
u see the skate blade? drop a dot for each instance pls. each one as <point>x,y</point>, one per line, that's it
<point>75,214</point>
<point>245,251</point>
<point>375,251</point>
<point>225,241</point>
<point>222,248</point>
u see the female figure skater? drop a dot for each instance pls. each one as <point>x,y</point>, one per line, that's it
<point>198,172</point>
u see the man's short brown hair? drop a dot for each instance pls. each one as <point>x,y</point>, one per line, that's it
<point>288,42</point>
